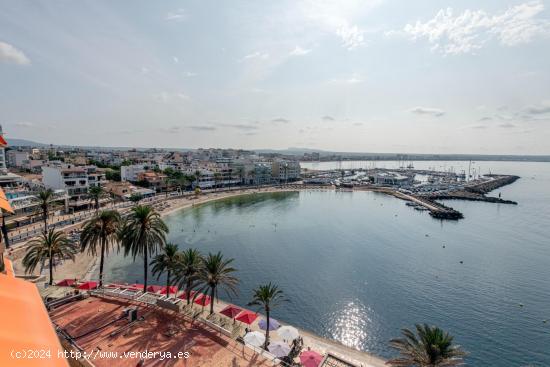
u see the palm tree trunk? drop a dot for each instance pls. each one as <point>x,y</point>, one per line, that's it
<point>145,272</point>
<point>51,268</point>
<point>267,329</point>
<point>101,264</point>
<point>168,285</point>
<point>212,291</point>
<point>45,218</point>
<point>187,291</point>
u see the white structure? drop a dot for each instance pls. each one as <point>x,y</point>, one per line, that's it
<point>285,171</point>
<point>391,178</point>
<point>76,180</point>
<point>3,145</point>
<point>17,158</point>
<point>130,173</point>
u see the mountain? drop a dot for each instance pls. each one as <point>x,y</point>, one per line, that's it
<point>14,142</point>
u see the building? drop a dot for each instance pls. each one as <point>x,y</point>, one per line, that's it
<point>283,171</point>
<point>125,190</point>
<point>130,173</point>
<point>76,180</point>
<point>3,146</point>
<point>26,323</point>
<point>262,173</point>
<point>17,158</point>
<point>154,180</point>
<point>391,178</point>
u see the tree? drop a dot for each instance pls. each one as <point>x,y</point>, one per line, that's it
<point>267,296</point>
<point>44,202</point>
<point>217,178</point>
<point>240,173</point>
<point>166,262</point>
<point>96,193</point>
<point>142,234</point>
<point>100,233</point>
<point>187,270</point>
<point>197,177</point>
<point>431,347</point>
<point>135,198</point>
<point>216,273</point>
<point>52,246</point>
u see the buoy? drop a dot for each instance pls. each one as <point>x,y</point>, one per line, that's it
<point>521,305</point>
<point>443,246</point>
<point>462,262</point>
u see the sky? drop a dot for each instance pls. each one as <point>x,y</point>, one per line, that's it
<point>359,76</point>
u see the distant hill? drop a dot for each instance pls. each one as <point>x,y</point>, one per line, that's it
<point>13,142</point>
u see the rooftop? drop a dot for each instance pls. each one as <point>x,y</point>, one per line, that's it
<point>95,324</point>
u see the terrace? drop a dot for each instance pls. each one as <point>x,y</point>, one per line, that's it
<point>98,324</point>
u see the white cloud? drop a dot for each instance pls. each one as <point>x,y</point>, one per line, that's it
<point>436,112</point>
<point>340,18</point>
<point>189,74</point>
<point>10,54</point>
<point>472,29</point>
<point>352,36</point>
<point>178,15</point>
<point>176,60</point>
<point>256,56</point>
<point>298,51</point>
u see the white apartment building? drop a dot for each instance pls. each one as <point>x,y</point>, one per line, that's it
<point>17,158</point>
<point>130,173</point>
<point>285,171</point>
<point>76,180</point>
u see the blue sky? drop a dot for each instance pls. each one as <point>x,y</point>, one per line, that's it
<point>374,75</point>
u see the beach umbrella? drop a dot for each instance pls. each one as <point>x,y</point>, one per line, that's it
<point>173,289</point>
<point>230,311</point>
<point>247,317</point>
<point>254,338</point>
<point>310,359</point>
<point>279,349</point>
<point>183,295</point>
<point>66,283</point>
<point>288,332</point>
<point>203,300</point>
<point>154,288</point>
<point>273,324</point>
<point>88,286</point>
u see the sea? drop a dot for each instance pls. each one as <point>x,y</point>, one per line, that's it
<point>358,267</point>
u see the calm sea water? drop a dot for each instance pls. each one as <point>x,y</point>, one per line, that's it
<point>358,267</point>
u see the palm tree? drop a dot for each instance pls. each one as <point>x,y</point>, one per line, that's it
<point>135,198</point>
<point>52,245</point>
<point>44,201</point>
<point>166,262</point>
<point>100,233</point>
<point>217,179</point>
<point>197,177</point>
<point>431,347</point>
<point>216,273</point>
<point>267,296</point>
<point>96,193</point>
<point>188,268</point>
<point>142,234</point>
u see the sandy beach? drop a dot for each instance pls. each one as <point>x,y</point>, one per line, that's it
<point>85,267</point>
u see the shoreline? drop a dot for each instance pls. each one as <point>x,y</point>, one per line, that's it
<point>89,268</point>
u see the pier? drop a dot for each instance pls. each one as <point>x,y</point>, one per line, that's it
<point>422,195</point>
